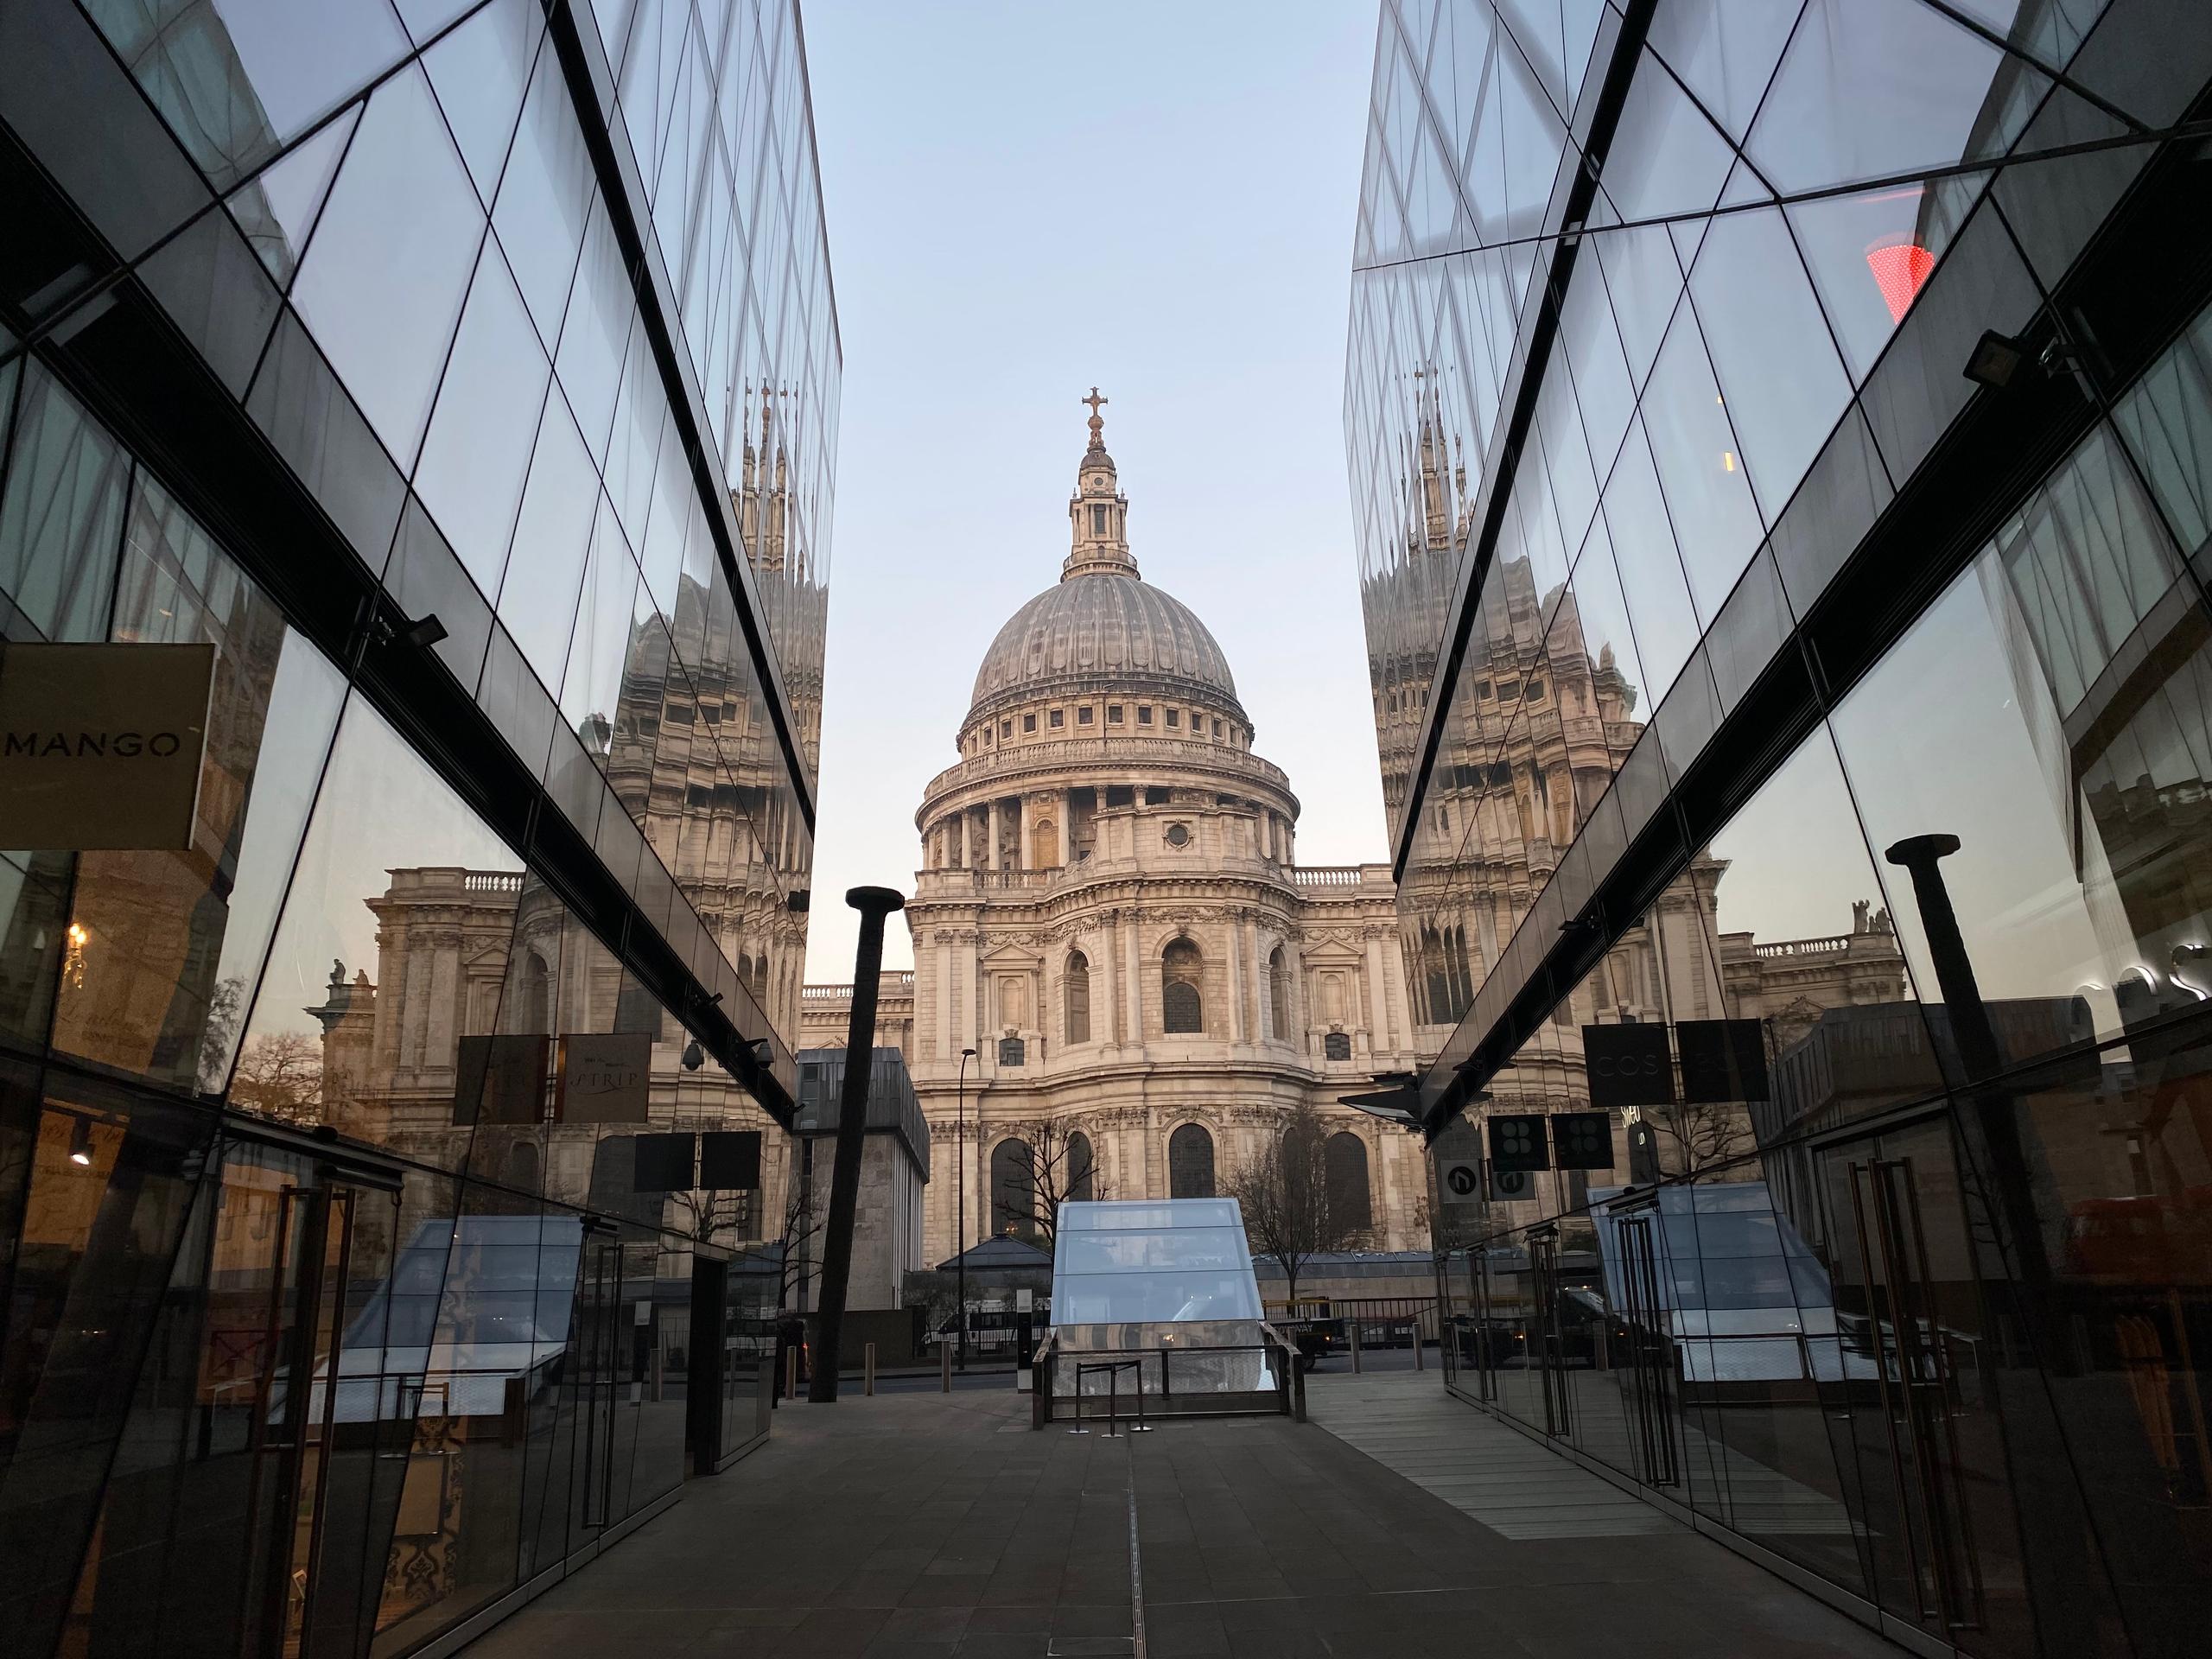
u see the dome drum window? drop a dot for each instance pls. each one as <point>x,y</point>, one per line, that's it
<point>1083,716</point>
<point>1029,723</point>
<point>1178,835</point>
<point>1144,714</point>
<point>1182,1007</point>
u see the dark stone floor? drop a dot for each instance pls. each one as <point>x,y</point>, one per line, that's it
<point>941,1526</point>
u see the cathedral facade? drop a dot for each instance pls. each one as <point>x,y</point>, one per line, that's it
<point>1110,915</point>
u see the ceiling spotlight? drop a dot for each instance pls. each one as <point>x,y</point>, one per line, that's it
<point>1995,360</point>
<point>81,1142</point>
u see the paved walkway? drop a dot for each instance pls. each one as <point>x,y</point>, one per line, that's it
<point>1473,1462</point>
<point>935,1527</point>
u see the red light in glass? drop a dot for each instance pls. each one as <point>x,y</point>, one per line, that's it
<point>1900,268</point>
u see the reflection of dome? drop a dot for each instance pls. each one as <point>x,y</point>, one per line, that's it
<point>1104,625</point>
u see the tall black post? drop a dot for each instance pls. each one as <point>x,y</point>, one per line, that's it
<point>1976,1037</point>
<point>873,904</point>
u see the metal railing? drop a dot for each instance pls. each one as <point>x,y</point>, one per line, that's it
<point>1206,1374</point>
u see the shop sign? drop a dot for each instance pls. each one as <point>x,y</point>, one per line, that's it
<point>100,744</point>
<point>606,1076</point>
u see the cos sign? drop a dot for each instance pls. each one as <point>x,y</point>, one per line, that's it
<point>1630,1065</point>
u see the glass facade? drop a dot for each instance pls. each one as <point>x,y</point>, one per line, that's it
<point>458,383</point>
<point>1794,727</point>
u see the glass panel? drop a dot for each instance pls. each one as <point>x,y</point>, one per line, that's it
<point>1870,255</point>
<point>538,594</point>
<point>479,72</point>
<point>238,79</point>
<point>384,282</point>
<point>1777,365</point>
<point>479,444</point>
<point>277,210</point>
<point>392,950</point>
<point>164,947</point>
<point>2057,690</point>
<point>1725,50</point>
<point>1666,157</point>
<point>61,524</point>
<point>595,331</point>
<point>1870,88</point>
<point>1693,445</point>
<point>1650,570</point>
<point>543,197</point>
<point>97,1192</point>
<point>2167,420</point>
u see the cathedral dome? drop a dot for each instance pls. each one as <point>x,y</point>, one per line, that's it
<point>1103,626</point>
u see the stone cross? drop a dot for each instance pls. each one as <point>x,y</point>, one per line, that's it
<point>1094,401</point>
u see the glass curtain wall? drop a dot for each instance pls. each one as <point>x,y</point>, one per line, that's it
<point>1895,1264</point>
<point>349,1185</point>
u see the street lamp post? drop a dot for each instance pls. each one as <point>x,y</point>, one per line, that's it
<point>960,1199</point>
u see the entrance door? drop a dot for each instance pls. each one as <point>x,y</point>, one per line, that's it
<point>598,1335</point>
<point>301,1249</point>
<point>1919,1438</point>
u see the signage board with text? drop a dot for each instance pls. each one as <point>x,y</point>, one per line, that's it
<point>1629,1065</point>
<point>100,744</point>
<point>606,1078</point>
<point>1723,1060</point>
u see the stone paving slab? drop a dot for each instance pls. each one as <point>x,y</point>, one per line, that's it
<point>917,1527</point>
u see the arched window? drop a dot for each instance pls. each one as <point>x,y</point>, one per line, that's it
<point>1081,1185</point>
<point>1345,1156</point>
<point>1079,997</point>
<point>1279,996</point>
<point>1190,1163</point>
<point>1181,1008</point>
<point>521,1171</point>
<point>1013,1189</point>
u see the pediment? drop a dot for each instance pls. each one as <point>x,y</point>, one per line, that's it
<point>1010,954</point>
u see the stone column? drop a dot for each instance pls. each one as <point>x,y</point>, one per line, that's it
<point>1393,959</point>
<point>1135,987</point>
<point>945,1045</point>
<point>1067,799</point>
<point>1110,1005</point>
<point>1378,995</point>
<point>964,815</point>
<point>992,809</point>
<point>1028,853</point>
<point>1261,1004</point>
<point>1235,985</point>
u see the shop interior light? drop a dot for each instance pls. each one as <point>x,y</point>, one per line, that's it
<point>81,1142</point>
<point>1900,268</point>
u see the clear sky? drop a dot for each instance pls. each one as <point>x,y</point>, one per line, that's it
<point>1025,199</point>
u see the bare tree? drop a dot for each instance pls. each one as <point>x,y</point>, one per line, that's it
<point>802,1221</point>
<point>280,1076</point>
<point>1283,1190</point>
<point>1057,1176</point>
<point>1703,1136</point>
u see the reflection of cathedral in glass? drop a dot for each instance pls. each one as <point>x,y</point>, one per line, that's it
<point>402,1124</point>
<point>1723,579</point>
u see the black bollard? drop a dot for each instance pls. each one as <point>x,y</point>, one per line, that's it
<point>873,904</point>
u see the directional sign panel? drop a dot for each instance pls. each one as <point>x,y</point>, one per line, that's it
<point>1508,1185</point>
<point>1517,1143</point>
<point>1461,1178</point>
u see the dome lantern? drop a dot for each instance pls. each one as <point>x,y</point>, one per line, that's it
<point>1098,514</point>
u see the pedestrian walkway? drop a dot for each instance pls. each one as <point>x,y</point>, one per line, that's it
<point>1477,1465</point>
<point>943,1526</point>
